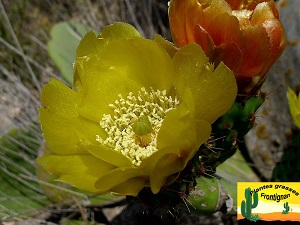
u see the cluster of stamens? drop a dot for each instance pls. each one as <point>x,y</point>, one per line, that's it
<point>134,125</point>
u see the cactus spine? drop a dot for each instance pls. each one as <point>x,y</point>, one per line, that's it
<point>247,205</point>
<point>227,131</point>
<point>287,208</point>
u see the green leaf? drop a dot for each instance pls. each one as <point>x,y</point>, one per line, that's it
<point>65,37</point>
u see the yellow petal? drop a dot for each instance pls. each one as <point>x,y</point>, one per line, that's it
<point>216,93</point>
<point>78,72</point>
<point>127,65</point>
<point>143,60</point>
<point>56,91</point>
<point>169,136</point>
<point>92,45</point>
<point>61,125</point>
<point>213,92</point>
<point>98,88</point>
<point>180,137</point>
<point>131,187</point>
<point>181,130</point>
<point>117,176</point>
<point>166,166</point>
<point>89,44</point>
<point>294,104</point>
<point>191,64</point>
<point>178,140</point>
<point>108,155</point>
<point>81,171</point>
<point>168,46</point>
<point>118,31</point>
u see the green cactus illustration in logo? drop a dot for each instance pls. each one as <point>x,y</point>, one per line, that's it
<point>287,208</point>
<point>247,205</point>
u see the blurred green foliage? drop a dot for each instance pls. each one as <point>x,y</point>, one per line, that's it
<point>65,37</point>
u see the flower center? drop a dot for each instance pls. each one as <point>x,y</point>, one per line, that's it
<point>133,127</point>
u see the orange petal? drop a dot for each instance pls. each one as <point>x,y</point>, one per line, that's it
<point>235,4</point>
<point>254,46</point>
<point>223,28</point>
<point>184,16</point>
<point>277,40</point>
<point>204,40</point>
<point>230,54</point>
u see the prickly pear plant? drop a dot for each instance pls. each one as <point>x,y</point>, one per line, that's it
<point>203,196</point>
<point>287,208</point>
<point>228,131</point>
<point>212,194</point>
<point>247,205</point>
<point>195,188</point>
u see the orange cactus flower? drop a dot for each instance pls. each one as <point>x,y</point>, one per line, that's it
<point>246,35</point>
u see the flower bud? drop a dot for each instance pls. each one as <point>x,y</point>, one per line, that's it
<point>246,35</point>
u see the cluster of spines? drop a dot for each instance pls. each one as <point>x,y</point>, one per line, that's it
<point>228,131</point>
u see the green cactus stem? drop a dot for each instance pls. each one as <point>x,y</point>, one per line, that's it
<point>212,194</point>
<point>287,208</point>
<point>247,205</point>
<point>227,132</point>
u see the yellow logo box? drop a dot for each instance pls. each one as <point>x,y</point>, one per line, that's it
<point>261,202</point>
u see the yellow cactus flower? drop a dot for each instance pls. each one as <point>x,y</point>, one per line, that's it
<point>137,113</point>
<point>294,103</point>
